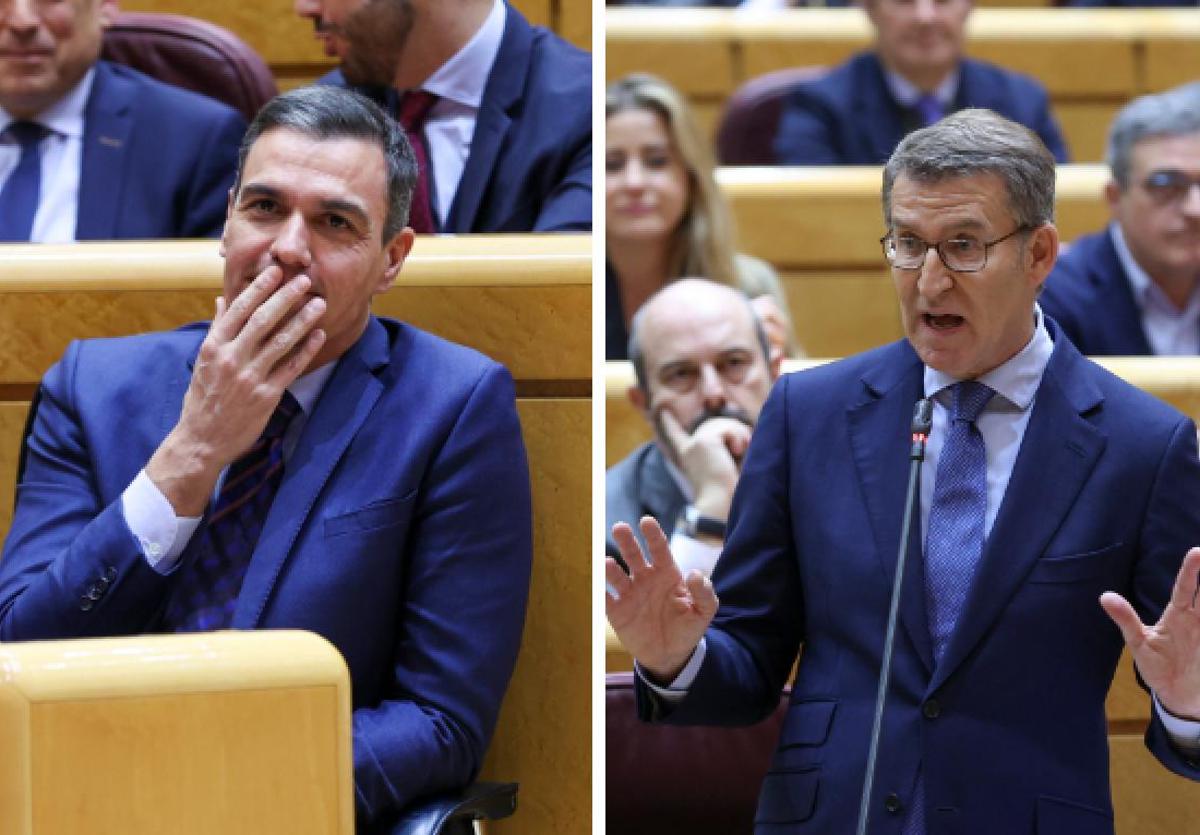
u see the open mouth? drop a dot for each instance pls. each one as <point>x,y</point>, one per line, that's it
<point>942,321</point>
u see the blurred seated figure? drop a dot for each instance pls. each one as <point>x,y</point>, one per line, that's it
<point>666,217</point>
<point>1130,4</point>
<point>703,369</point>
<point>91,150</point>
<point>1133,288</point>
<point>916,73</point>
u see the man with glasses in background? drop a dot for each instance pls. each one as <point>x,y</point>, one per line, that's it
<point>703,370</point>
<point>1055,500</point>
<point>1135,287</point>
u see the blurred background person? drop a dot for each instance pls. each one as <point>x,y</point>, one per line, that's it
<point>1131,289</point>
<point>666,218</point>
<point>915,74</point>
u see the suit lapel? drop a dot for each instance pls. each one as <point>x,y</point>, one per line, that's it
<point>879,438</point>
<point>503,92</point>
<point>107,123</point>
<point>340,411</point>
<point>879,114</point>
<point>1124,320</point>
<point>1059,440</point>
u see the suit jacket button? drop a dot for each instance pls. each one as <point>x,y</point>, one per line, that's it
<point>892,803</point>
<point>110,574</point>
<point>95,591</point>
<point>931,709</point>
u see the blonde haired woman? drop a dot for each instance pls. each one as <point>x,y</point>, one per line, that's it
<point>665,216</point>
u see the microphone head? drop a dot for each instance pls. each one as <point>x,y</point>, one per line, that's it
<point>922,420</point>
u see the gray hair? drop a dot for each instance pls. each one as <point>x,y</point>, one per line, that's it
<point>635,328</point>
<point>977,141</point>
<point>325,112</point>
<point>1173,113</point>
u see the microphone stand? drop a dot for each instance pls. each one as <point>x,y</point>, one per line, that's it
<point>921,423</point>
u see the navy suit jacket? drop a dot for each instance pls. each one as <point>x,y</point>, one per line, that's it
<point>848,116</point>
<point>401,533</point>
<point>158,161</point>
<point>530,164</point>
<point>1009,728</point>
<point>1090,297</point>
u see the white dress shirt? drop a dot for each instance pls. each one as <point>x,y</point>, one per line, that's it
<point>908,94</point>
<point>450,125</point>
<point>151,518</point>
<point>62,161</point>
<point>1169,330</point>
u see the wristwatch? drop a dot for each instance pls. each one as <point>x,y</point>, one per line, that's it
<point>695,524</point>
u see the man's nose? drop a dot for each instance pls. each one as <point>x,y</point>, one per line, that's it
<point>925,10</point>
<point>933,277</point>
<point>1191,200</point>
<point>291,245</point>
<point>20,14</point>
<point>712,387</point>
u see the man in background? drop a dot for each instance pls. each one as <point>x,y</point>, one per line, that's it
<point>499,112</point>
<point>916,73</point>
<point>91,150</point>
<point>703,371</point>
<point>1135,287</point>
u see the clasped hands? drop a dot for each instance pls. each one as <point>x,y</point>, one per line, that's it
<point>257,346</point>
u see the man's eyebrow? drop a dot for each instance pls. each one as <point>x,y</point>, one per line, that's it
<point>259,190</point>
<point>956,224</point>
<point>346,207</point>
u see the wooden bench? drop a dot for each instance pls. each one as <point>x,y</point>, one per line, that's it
<point>1092,61</point>
<point>489,292</point>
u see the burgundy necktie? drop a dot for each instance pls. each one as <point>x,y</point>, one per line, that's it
<point>207,589</point>
<point>413,109</point>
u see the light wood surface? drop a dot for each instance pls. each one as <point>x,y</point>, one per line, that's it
<point>1091,61</point>
<point>233,732</point>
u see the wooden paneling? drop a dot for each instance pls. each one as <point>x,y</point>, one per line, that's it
<point>1091,61</point>
<point>1148,799</point>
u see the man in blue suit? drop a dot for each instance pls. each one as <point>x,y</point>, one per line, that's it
<point>399,525</point>
<point>1135,287</point>
<point>116,153</point>
<point>858,112</point>
<point>508,128</point>
<point>1050,486</point>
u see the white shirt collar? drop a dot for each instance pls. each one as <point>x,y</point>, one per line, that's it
<point>462,79</point>
<point>1015,381</point>
<point>907,94</point>
<point>1145,291</point>
<point>65,116</point>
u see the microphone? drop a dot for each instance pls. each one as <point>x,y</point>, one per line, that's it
<point>922,421</point>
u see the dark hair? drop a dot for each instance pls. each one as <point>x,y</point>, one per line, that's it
<point>325,112</point>
<point>635,327</point>
<point>1173,113</point>
<point>977,141</point>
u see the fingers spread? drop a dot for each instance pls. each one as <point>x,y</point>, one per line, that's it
<point>1126,619</point>
<point>617,579</point>
<point>1187,581</point>
<point>628,545</point>
<point>659,553</point>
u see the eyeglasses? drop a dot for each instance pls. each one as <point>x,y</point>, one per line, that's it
<point>1169,186</point>
<point>963,254</point>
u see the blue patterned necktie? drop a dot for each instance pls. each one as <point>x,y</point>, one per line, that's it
<point>22,189</point>
<point>207,589</point>
<point>954,540</point>
<point>929,109</point>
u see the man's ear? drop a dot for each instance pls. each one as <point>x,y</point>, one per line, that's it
<point>395,252</point>
<point>1042,252</point>
<point>637,396</point>
<point>775,364</point>
<point>1112,195</point>
<point>228,215</point>
<point>106,12</point>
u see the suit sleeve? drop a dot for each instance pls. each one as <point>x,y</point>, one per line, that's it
<point>1046,127</point>
<point>806,132</point>
<point>1170,528</point>
<point>71,567</point>
<point>568,207</point>
<point>467,566</point>
<point>211,177</point>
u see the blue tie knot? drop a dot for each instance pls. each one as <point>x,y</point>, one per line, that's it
<point>281,417</point>
<point>26,134</point>
<point>970,398</point>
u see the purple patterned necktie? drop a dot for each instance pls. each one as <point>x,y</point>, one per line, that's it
<point>22,190</point>
<point>207,589</point>
<point>412,112</point>
<point>954,540</point>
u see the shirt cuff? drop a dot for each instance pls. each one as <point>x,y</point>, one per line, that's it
<point>1184,733</point>
<point>692,553</point>
<point>677,689</point>
<point>152,521</point>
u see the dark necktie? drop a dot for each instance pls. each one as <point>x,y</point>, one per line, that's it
<point>954,541</point>
<point>207,589</point>
<point>412,112</point>
<point>929,109</point>
<point>19,197</point>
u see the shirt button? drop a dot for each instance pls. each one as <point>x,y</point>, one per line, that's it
<point>931,709</point>
<point>892,803</point>
<point>153,549</point>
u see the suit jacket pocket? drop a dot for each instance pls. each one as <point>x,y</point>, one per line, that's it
<point>1074,568</point>
<point>805,729</point>
<point>381,514</point>
<point>1055,816</point>
<point>787,797</point>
